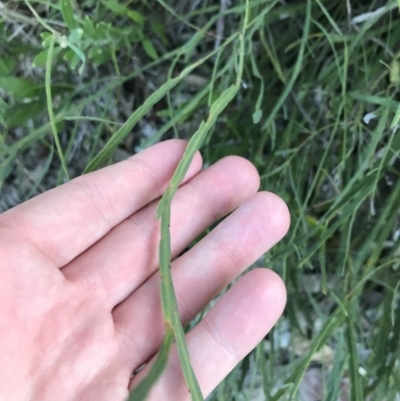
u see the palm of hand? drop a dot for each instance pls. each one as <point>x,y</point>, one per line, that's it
<point>57,338</point>
<point>79,286</point>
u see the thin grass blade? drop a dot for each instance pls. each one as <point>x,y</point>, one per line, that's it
<point>296,69</point>
<point>67,12</point>
<point>396,118</point>
<point>336,374</point>
<point>195,144</point>
<point>142,390</point>
<point>50,108</point>
<point>168,298</point>
<point>354,374</point>
<point>141,112</point>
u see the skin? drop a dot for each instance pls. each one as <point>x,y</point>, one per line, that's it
<point>79,302</point>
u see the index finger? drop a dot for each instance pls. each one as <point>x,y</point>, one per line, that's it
<point>65,221</point>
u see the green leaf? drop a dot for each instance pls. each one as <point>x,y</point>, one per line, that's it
<point>7,64</point>
<point>68,14</point>
<point>46,38</point>
<point>75,35</point>
<point>17,87</point>
<point>79,54</point>
<point>149,49</point>
<point>136,17</point>
<point>41,58</point>
<point>88,27</point>
<point>257,116</point>
<point>74,62</point>
<point>117,8</point>
<point>72,58</point>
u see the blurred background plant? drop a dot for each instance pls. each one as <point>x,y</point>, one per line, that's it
<point>318,114</point>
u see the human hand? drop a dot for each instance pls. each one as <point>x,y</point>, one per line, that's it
<point>79,288</point>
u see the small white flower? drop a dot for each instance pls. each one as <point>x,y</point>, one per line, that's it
<point>362,371</point>
<point>368,117</point>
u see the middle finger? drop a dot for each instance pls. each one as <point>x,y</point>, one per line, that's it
<point>122,260</point>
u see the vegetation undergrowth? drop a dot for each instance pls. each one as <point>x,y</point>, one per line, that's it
<point>316,108</point>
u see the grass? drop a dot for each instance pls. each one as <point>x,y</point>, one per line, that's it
<point>311,75</point>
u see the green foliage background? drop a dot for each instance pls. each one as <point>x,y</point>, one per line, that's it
<point>317,111</point>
